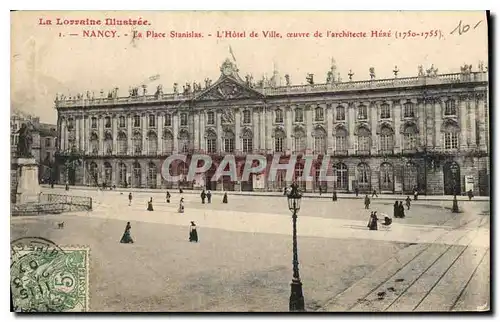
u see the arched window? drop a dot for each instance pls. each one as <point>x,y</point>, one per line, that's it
<point>137,175</point>
<point>122,174</point>
<point>318,114</point>
<point>340,171</point>
<point>451,132</point>
<point>340,113</point>
<point>247,140</point>
<point>279,141</point>
<point>229,141</point>
<point>299,140</point>
<point>450,108</point>
<point>108,171</point>
<point>410,177</point>
<point>184,144</point>
<point>247,117</point>
<point>168,142</point>
<point>363,140</point>
<point>137,143</point>
<point>152,171</point>
<point>410,136</point>
<point>122,143</point>
<point>94,173</point>
<point>386,177</point>
<point>211,142</point>
<point>108,143</point>
<point>364,180</point>
<point>319,141</point>
<point>299,115</point>
<point>341,140</point>
<point>94,144</point>
<point>152,143</point>
<point>386,139</point>
<point>279,116</point>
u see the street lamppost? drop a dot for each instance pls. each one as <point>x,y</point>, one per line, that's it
<point>296,296</point>
<point>454,171</point>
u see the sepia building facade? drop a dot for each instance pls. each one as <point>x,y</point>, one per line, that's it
<point>429,132</point>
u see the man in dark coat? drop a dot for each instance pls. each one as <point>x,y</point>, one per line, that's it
<point>367,202</point>
<point>470,194</point>
<point>396,209</point>
<point>408,202</point>
<point>224,199</point>
<point>356,190</point>
<point>209,196</point>
<point>401,210</point>
<point>203,195</point>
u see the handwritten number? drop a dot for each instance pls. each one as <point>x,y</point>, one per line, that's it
<point>462,29</point>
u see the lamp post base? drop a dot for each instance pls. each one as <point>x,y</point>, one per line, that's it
<point>296,297</point>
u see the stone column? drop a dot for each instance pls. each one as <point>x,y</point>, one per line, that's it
<point>144,127</point>
<point>196,131</point>
<point>396,108</point>
<point>202,131</point>
<point>64,136</point>
<point>462,110</point>
<point>472,121</point>
<point>262,128</point>
<point>101,135</point>
<point>175,120</point>
<point>351,124</point>
<point>114,125</point>
<point>77,133</point>
<point>480,106</point>
<point>237,134</point>
<point>309,128</point>
<point>159,142</point>
<point>288,127</point>
<point>130,148</point>
<point>438,120</point>
<point>373,115</point>
<point>329,129</point>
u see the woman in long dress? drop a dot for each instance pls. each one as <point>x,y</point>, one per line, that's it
<point>401,210</point>
<point>373,221</point>
<point>126,238</point>
<point>224,199</point>
<point>396,209</point>
<point>168,197</point>
<point>150,204</point>
<point>193,234</point>
<point>181,206</point>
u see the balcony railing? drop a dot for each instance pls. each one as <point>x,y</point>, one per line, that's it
<point>362,152</point>
<point>287,90</point>
<point>340,153</point>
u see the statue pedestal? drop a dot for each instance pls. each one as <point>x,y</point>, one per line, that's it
<point>28,188</point>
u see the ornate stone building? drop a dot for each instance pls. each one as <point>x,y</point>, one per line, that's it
<point>428,132</point>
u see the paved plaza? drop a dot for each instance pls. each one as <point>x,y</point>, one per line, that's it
<point>432,260</point>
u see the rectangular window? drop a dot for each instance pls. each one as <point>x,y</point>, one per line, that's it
<point>211,146</point>
<point>137,121</point>
<point>363,143</point>
<point>152,120</point>
<point>184,119</point>
<point>107,122</point>
<point>279,116</point>
<point>93,123</point>
<point>409,110</point>
<point>318,114</point>
<point>246,117</point>
<point>340,113</point>
<point>47,142</point>
<point>450,140</point>
<point>385,111</point>
<point>247,145</point>
<point>340,143</point>
<point>168,120</point>
<point>122,122</point>
<point>278,144</point>
<point>229,145</point>
<point>362,112</point>
<point>210,118</point>
<point>410,141</point>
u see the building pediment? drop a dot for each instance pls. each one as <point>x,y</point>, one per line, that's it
<point>228,88</point>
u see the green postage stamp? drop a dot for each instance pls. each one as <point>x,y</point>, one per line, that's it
<point>45,277</point>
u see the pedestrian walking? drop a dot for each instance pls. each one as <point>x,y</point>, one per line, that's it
<point>415,193</point>
<point>127,238</point>
<point>408,202</point>
<point>193,234</point>
<point>130,198</point>
<point>374,194</point>
<point>356,190</point>
<point>367,202</point>
<point>203,195</point>
<point>209,196</point>
<point>470,194</point>
<point>396,209</point>
<point>150,204</point>
<point>320,190</point>
<point>401,210</point>
<point>373,225</point>
<point>181,205</point>
<point>167,196</point>
<point>334,196</point>
<point>224,199</point>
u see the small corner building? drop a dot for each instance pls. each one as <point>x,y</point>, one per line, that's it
<point>428,132</point>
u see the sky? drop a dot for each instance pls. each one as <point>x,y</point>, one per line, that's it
<point>44,63</point>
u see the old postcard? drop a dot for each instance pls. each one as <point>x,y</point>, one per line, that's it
<point>250,161</point>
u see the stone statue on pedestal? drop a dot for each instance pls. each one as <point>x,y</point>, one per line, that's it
<point>25,142</point>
